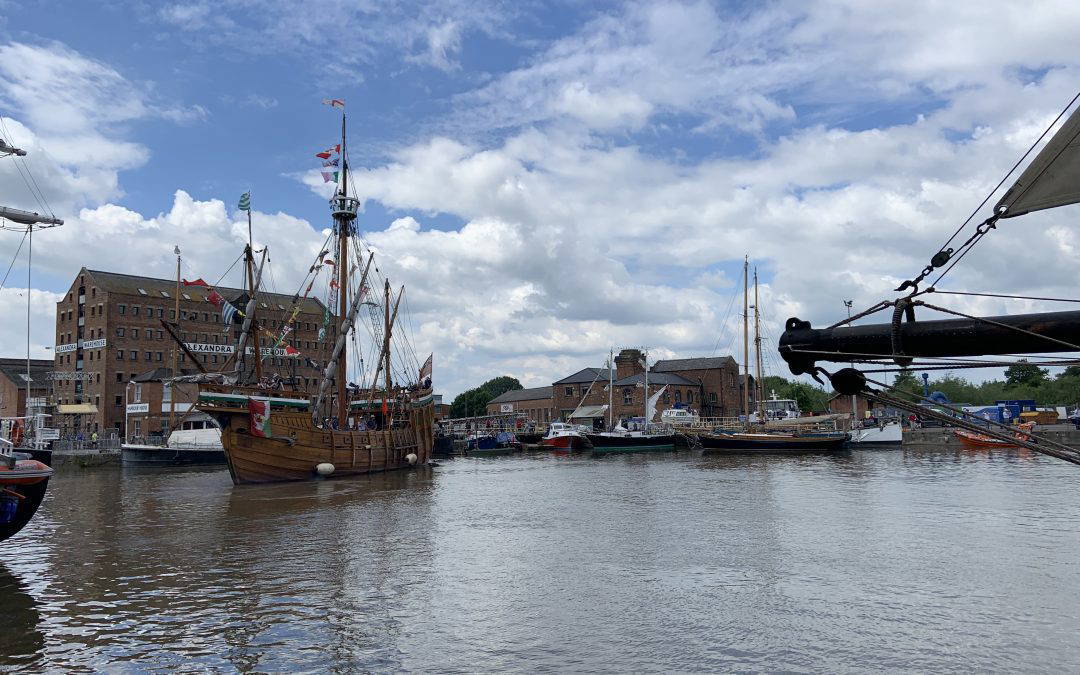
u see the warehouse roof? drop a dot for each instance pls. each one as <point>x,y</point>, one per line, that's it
<point>163,289</point>
<point>15,370</point>
<point>533,394</point>
<point>699,363</point>
<point>655,378</point>
<point>585,375</point>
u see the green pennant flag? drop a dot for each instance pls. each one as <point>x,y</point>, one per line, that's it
<point>245,202</point>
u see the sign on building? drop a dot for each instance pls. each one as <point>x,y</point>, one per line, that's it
<point>70,347</point>
<point>138,407</point>
<point>95,344</point>
<point>85,344</point>
<point>36,402</point>
<point>48,434</point>
<point>506,407</point>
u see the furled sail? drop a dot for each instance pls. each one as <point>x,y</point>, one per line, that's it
<point>1053,177</point>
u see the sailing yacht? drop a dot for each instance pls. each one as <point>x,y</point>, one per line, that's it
<point>270,433</point>
<point>649,438</point>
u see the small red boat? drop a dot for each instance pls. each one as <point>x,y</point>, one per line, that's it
<point>22,487</point>
<point>974,440</point>
<point>562,436</point>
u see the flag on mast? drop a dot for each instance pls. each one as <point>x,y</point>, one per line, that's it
<point>197,282</point>
<point>245,202</point>
<point>332,150</point>
<point>334,102</point>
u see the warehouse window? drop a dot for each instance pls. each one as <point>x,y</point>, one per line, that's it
<point>119,355</point>
<point>135,332</point>
<point>122,309</point>
<point>569,391</point>
<point>142,291</point>
<point>628,395</point>
<point>120,332</point>
<point>134,310</point>
<point>134,355</point>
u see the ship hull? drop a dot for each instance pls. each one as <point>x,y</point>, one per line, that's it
<point>603,444</point>
<point>297,447</point>
<point>748,443</point>
<point>21,493</point>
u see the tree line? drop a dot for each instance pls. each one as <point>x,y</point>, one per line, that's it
<point>473,402</point>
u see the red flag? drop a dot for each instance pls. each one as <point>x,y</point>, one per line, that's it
<point>325,154</point>
<point>197,282</point>
<point>291,351</point>
<point>215,298</point>
<point>259,417</point>
<point>328,261</point>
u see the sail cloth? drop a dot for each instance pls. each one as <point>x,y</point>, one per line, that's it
<point>1053,177</point>
<point>651,407</point>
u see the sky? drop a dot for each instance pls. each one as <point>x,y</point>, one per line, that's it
<point>548,180</point>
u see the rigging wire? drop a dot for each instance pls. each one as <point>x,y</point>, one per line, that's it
<point>1002,295</point>
<point>13,259</point>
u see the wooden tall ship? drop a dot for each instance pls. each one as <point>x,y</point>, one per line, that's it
<point>273,433</point>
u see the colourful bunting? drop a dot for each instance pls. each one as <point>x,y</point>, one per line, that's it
<point>331,162</point>
<point>332,150</point>
<point>328,176</point>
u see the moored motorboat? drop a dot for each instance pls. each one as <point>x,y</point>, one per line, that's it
<point>23,482</point>
<point>562,436</point>
<point>887,433</point>
<point>749,442</point>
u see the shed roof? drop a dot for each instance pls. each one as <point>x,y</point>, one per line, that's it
<point>536,393</point>
<point>15,369</point>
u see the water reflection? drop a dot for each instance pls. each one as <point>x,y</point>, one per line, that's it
<point>21,640</point>
<point>862,560</point>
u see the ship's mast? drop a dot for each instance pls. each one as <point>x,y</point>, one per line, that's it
<point>344,214</point>
<point>249,263</point>
<point>746,338</point>
<point>386,353</point>
<point>759,386</point>
<point>611,389</point>
<point>176,350</point>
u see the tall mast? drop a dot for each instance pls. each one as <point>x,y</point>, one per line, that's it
<point>253,330</point>
<point>759,386</point>
<point>343,216</point>
<point>386,353</point>
<point>611,389</point>
<point>746,338</point>
<point>646,411</point>
<point>175,351</point>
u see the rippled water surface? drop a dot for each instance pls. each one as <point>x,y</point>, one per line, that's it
<point>874,560</point>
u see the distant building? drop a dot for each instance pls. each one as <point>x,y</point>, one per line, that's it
<point>150,403</point>
<point>109,330</point>
<point>536,403</point>
<point>13,384</point>
<point>442,410</point>
<point>718,379</point>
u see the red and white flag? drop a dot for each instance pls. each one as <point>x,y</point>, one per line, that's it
<point>332,150</point>
<point>215,299</point>
<point>334,102</point>
<point>291,351</point>
<point>259,417</point>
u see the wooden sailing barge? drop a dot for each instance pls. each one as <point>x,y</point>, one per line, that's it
<point>271,433</point>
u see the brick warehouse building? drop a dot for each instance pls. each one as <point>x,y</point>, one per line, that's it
<point>108,331</point>
<point>711,385</point>
<point>13,384</point>
<point>536,403</point>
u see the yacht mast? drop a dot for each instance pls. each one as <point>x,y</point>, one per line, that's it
<point>746,339</point>
<point>646,412</point>
<point>611,389</point>
<point>759,386</point>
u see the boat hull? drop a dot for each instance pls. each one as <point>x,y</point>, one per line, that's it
<point>565,443</point>
<point>771,443</point>
<point>889,434</point>
<point>297,447</point>
<point>21,494</point>
<point>973,440</point>
<point>626,444</point>
<point>149,455</point>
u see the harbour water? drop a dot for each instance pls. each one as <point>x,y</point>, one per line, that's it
<point>889,560</point>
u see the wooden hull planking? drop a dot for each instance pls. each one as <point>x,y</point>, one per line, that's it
<point>254,459</point>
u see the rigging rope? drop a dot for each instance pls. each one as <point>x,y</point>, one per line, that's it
<point>1001,295</point>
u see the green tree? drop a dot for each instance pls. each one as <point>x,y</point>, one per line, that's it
<point>906,382</point>
<point>473,402</point>
<point>1024,373</point>
<point>1071,371</point>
